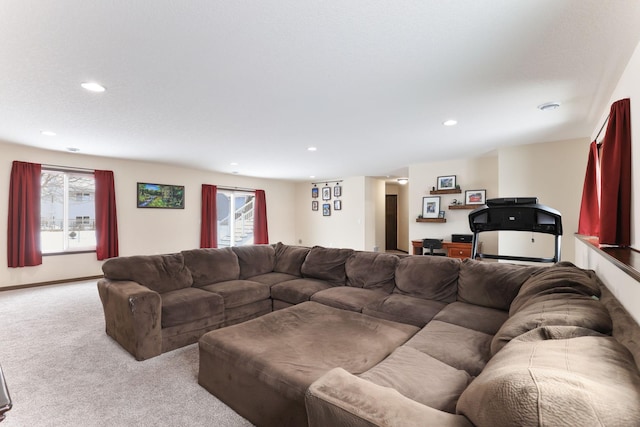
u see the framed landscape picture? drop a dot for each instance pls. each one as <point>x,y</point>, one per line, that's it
<point>160,196</point>
<point>326,209</point>
<point>431,207</point>
<point>475,197</point>
<point>446,182</point>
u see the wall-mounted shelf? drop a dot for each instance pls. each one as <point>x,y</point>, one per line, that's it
<point>454,191</point>
<point>431,220</point>
<point>464,206</point>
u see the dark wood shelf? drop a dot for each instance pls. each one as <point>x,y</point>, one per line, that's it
<point>431,220</point>
<point>454,191</point>
<point>464,206</point>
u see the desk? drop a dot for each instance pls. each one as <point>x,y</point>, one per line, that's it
<point>453,249</point>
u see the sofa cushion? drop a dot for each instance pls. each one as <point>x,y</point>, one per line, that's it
<point>255,259</point>
<point>554,310</point>
<point>491,284</point>
<point>209,266</point>
<point>562,277</point>
<point>428,277</point>
<point>371,270</point>
<point>405,309</point>
<point>298,290</point>
<point>239,292</point>
<point>478,318</point>
<point>189,304</point>
<point>289,259</point>
<point>160,273</point>
<point>272,278</point>
<point>326,264</point>
<point>454,345</point>
<point>584,381</point>
<point>420,377</point>
<point>348,298</point>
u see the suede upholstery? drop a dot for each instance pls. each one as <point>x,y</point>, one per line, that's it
<point>273,343</point>
<point>160,273</point>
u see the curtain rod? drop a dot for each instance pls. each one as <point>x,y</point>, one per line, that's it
<point>602,127</point>
<point>327,182</point>
<point>67,168</point>
<point>235,188</point>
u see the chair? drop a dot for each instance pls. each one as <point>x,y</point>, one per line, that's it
<point>432,244</point>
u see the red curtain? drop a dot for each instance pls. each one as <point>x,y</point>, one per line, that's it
<point>209,217</point>
<point>589,222</point>
<point>260,231</point>
<point>106,222</point>
<point>615,164</point>
<point>23,237</point>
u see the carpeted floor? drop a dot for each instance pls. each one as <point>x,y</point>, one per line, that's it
<point>63,370</point>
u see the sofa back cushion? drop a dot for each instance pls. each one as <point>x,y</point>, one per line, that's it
<point>371,270</point>
<point>554,310</point>
<point>491,284</point>
<point>255,259</point>
<point>289,259</point>
<point>209,266</point>
<point>160,273</point>
<point>326,264</point>
<point>428,277</point>
<point>561,278</point>
<point>582,381</point>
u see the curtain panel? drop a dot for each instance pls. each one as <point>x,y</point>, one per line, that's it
<point>589,221</point>
<point>209,217</point>
<point>106,217</point>
<point>615,167</point>
<point>23,237</point>
<point>260,229</point>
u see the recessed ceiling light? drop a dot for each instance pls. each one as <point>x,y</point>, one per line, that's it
<point>312,149</point>
<point>548,106</point>
<point>402,181</point>
<point>450,122</point>
<point>48,133</point>
<point>93,87</point>
<point>73,149</point>
<point>312,176</point>
<point>234,163</point>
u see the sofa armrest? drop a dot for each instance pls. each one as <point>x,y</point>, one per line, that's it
<point>339,398</point>
<point>132,314</point>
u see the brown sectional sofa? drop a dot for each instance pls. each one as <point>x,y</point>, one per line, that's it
<point>464,342</point>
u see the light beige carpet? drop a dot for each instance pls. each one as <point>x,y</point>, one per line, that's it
<point>63,370</point>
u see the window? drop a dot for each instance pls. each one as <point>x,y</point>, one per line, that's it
<point>235,218</point>
<point>67,211</point>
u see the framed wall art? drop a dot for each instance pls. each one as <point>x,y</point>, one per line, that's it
<point>314,192</point>
<point>337,205</point>
<point>337,191</point>
<point>160,196</point>
<point>326,209</point>
<point>326,193</point>
<point>430,207</point>
<point>475,197</point>
<point>446,182</point>
<point>314,205</point>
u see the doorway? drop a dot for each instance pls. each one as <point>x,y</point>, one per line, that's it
<point>391,222</point>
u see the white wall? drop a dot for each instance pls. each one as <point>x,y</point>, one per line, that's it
<point>554,173</point>
<point>623,286</point>
<point>141,231</point>
<point>471,174</point>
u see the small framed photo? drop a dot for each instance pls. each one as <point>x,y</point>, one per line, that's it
<point>314,205</point>
<point>326,209</point>
<point>475,197</point>
<point>337,205</point>
<point>314,192</point>
<point>441,214</point>
<point>446,182</point>
<point>326,193</point>
<point>337,191</point>
<point>431,207</point>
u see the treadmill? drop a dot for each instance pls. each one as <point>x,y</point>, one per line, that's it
<point>516,214</point>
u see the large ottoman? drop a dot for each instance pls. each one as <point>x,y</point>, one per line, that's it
<point>262,368</point>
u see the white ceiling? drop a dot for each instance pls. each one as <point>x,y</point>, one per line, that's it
<point>205,83</point>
